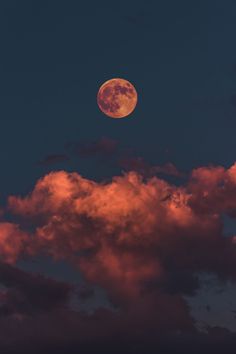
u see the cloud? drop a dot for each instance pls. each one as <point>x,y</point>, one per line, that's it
<point>116,226</point>
<point>102,147</point>
<point>12,241</point>
<point>30,293</point>
<point>139,165</point>
<point>143,240</point>
<point>85,292</point>
<point>54,158</point>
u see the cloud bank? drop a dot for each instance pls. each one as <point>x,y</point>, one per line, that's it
<point>143,240</point>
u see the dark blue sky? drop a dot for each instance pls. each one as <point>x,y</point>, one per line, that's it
<point>54,55</point>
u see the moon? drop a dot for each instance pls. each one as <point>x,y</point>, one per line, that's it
<point>117,98</point>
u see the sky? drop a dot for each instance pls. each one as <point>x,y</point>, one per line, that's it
<point>117,234</point>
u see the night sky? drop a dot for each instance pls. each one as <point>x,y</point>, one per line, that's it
<point>117,235</point>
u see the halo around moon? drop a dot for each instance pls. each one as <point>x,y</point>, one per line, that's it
<point>117,98</point>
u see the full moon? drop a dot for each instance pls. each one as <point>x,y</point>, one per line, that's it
<point>117,98</point>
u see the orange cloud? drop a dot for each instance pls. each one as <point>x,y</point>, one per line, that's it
<point>12,242</point>
<point>143,240</point>
<point>129,231</point>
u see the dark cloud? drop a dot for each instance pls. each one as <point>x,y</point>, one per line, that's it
<point>28,293</point>
<point>85,292</point>
<point>102,147</point>
<point>53,159</point>
<point>63,332</point>
<point>141,166</point>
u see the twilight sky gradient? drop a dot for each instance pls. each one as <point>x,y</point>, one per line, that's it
<point>117,235</point>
